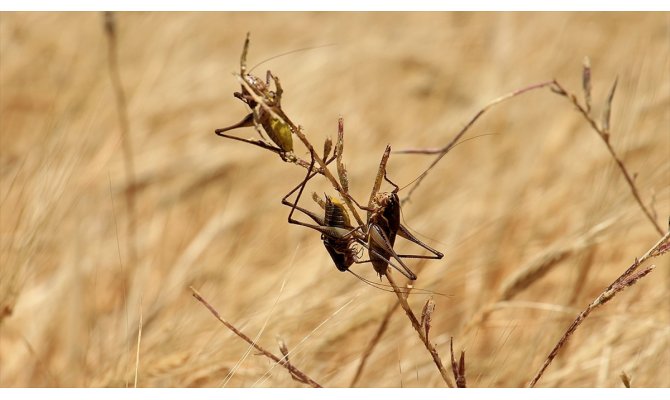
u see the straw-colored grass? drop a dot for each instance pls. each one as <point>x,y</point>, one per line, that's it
<point>535,219</point>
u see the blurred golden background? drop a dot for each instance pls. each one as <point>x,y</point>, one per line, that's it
<point>539,186</point>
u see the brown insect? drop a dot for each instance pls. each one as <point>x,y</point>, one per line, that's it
<point>343,241</point>
<point>384,225</point>
<point>338,235</point>
<point>269,115</point>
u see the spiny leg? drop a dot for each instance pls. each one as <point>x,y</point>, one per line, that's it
<point>246,121</point>
<point>396,188</point>
<point>330,231</point>
<point>406,234</point>
<point>294,205</point>
<point>278,89</point>
<point>255,142</point>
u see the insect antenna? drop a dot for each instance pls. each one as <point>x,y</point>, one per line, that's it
<point>407,291</point>
<point>402,214</point>
<point>290,52</point>
<point>424,172</point>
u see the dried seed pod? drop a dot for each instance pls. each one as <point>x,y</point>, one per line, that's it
<point>608,110</point>
<point>586,82</point>
<point>426,315</point>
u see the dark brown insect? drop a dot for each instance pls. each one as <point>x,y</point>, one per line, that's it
<point>384,225</point>
<point>344,242</point>
<point>338,235</point>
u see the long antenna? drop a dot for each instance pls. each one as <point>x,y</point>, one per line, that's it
<point>291,52</point>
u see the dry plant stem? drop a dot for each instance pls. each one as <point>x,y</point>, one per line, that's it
<point>328,174</point>
<point>628,278</point>
<point>458,368</point>
<point>418,328</point>
<point>139,342</point>
<point>444,150</point>
<point>122,112</point>
<point>284,351</point>
<point>373,343</point>
<point>604,135</point>
<point>298,132</point>
<point>295,372</point>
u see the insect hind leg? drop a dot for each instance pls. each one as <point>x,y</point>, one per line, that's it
<point>406,234</point>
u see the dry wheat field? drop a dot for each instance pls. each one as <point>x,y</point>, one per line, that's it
<point>109,218</point>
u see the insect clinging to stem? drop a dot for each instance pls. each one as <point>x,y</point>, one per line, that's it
<point>343,241</point>
<point>269,115</point>
<point>338,235</point>
<point>383,225</point>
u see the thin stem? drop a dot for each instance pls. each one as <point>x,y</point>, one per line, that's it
<point>444,150</point>
<point>422,335</point>
<point>139,342</point>
<point>298,132</point>
<point>628,278</point>
<point>605,138</point>
<point>127,147</point>
<point>373,343</point>
<point>295,372</point>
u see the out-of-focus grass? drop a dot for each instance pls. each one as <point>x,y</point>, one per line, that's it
<point>209,213</point>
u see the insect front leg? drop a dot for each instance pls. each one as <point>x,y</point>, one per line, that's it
<point>278,89</point>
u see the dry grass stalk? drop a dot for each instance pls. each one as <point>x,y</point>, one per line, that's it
<point>427,314</point>
<point>373,343</point>
<point>628,278</point>
<point>586,82</point>
<point>284,351</point>
<point>295,372</point>
<point>458,369</point>
<point>127,146</point>
<point>607,112</point>
<point>341,168</point>
<point>557,88</point>
<point>441,152</point>
<point>139,342</point>
<point>422,334</point>
<point>63,296</point>
<point>297,130</point>
<point>604,134</point>
<point>625,379</point>
<point>534,270</point>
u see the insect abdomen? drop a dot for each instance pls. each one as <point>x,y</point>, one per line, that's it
<point>336,216</point>
<point>338,247</point>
